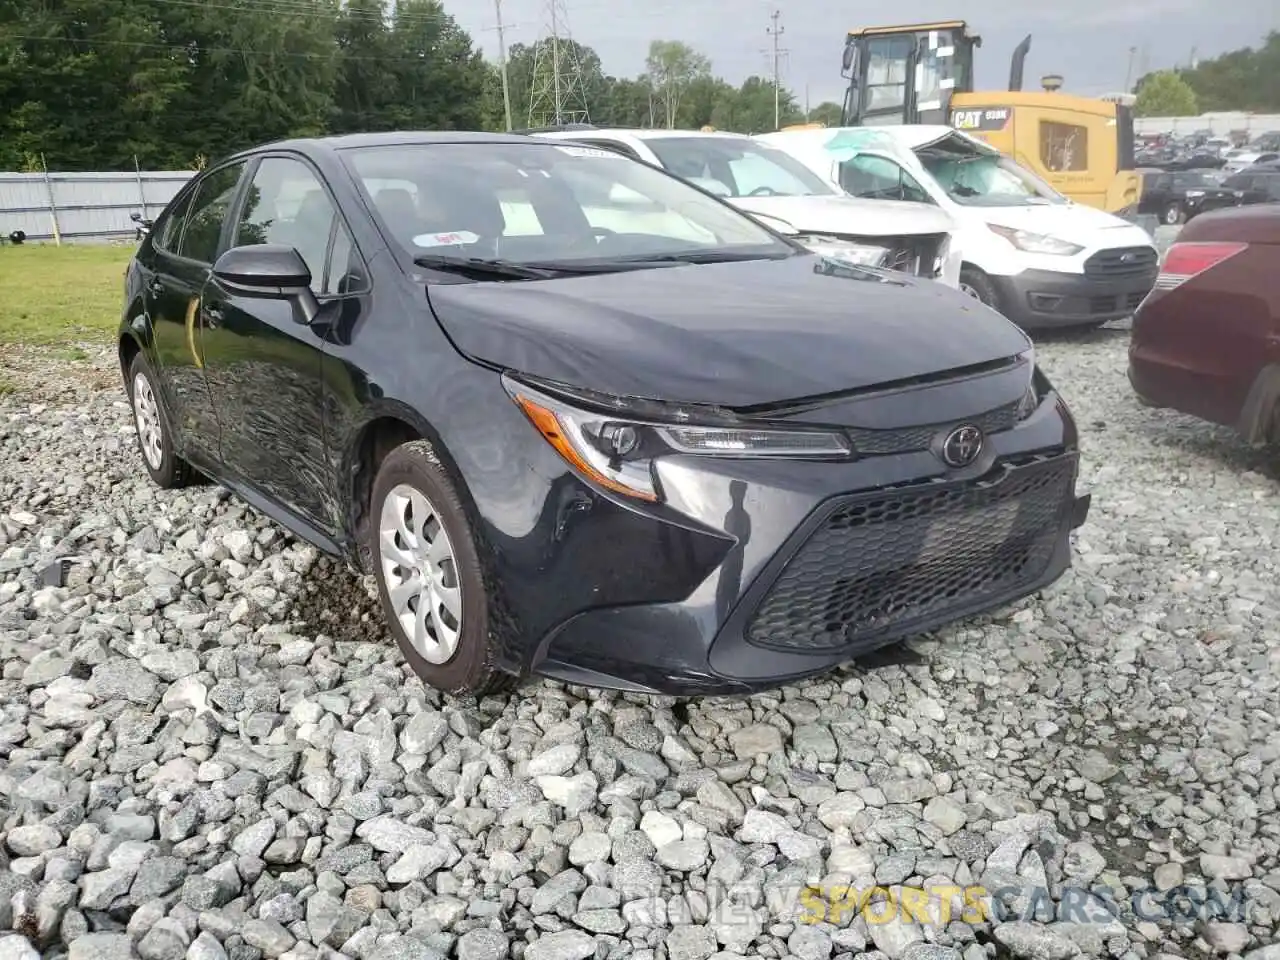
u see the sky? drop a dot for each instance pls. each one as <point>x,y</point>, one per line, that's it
<point>1086,41</point>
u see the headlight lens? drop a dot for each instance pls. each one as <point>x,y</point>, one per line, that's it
<point>617,449</point>
<point>1195,193</point>
<point>861,254</point>
<point>1035,242</point>
<point>1031,398</point>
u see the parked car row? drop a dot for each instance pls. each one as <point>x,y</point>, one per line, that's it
<point>582,418</point>
<point>1016,244</point>
<point>1177,197</point>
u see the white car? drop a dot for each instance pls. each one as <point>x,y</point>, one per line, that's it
<point>767,183</point>
<point>1039,258</point>
<point>1242,158</point>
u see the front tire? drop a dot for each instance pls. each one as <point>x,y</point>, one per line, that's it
<point>978,285</point>
<point>151,423</point>
<point>1173,214</point>
<point>430,580</point>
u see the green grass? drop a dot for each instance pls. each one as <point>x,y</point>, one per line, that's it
<point>53,295</point>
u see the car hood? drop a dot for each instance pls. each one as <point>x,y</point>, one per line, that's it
<point>732,334</point>
<point>850,216</point>
<point>1073,222</point>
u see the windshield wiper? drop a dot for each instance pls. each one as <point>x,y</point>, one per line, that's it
<point>477,266</point>
<point>705,256</point>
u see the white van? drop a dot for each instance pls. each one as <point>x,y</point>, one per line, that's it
<point>1040,259</point>
<point>914,238</point>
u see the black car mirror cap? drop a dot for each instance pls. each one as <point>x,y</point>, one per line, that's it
<point>270,270</point>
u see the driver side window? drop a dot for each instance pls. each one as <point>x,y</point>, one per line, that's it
<point>287,205</point>
<point>878,178</point>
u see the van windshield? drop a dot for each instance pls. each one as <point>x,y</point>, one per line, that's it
<point>987,181</point>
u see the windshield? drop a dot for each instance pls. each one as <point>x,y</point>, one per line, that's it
<point>733,167</point>
<point>538,201</point>
<point>1190,181</point>
<point>987,181</point>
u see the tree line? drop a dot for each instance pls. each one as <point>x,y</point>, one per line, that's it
<point>172,84</point>
<point>1247,79</point>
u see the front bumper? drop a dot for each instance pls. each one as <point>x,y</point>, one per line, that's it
<point>1043,299</point>
<point>816,580</point>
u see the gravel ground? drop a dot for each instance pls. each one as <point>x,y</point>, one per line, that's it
<point>209,749</point>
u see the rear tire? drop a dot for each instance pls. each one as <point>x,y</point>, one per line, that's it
<point>151,424</point>
<point>431,583</point>
<point>1173,214</point>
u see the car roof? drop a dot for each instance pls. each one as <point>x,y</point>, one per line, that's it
<point>648,133</point>
<point>389,138</point>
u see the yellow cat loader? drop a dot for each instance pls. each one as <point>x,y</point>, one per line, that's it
<point>922,73</point>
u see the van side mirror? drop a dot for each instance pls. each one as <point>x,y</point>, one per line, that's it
<point>270,271</point>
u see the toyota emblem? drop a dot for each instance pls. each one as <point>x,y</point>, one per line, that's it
<point>962,446</point>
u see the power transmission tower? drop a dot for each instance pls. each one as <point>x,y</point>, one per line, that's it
<point>558,94</point>
<point>776,31</point>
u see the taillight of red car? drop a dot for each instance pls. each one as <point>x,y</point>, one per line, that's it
<point>1182,261</point>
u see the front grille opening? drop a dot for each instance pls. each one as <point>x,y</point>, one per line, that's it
<point>1122,262</point>
<point>878,564</point>
<point>877,443</point>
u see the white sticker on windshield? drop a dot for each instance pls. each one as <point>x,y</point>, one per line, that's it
<point>445,239</point>
<point>594,152</point>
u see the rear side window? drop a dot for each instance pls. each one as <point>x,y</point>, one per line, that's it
<point>168,234</point>
<point>208,213</point>
<point>1272,186</point>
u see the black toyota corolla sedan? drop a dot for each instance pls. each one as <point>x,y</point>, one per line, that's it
<point>579,418</point>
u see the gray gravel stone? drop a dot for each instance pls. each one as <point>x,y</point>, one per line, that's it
<point>212,750</point>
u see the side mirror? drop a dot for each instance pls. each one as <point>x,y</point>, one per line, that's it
<point>143,224</point>
<point>270,271</point>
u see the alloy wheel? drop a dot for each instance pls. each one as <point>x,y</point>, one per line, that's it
<point>420,573</point>
<point>147,414</point>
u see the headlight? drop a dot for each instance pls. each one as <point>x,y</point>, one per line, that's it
<point>614,441</point>
<point>1035,242</point>
<point>940,261</point>
<point>1031,397</point>
<point>1194,193</point>
<point>862,254</point>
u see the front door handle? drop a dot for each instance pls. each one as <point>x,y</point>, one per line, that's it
<point>155,288</point>
<point>213,317</point>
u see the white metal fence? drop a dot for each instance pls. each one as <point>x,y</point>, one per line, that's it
<point>1220,123</point>
<point>83,207</point>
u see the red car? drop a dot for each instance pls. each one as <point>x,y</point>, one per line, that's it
<point>1206,340</point>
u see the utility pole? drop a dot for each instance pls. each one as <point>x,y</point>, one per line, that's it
<point>775,31</point>
<point>1128,74</point>
<point>557,100</point>
<point>502,63</point>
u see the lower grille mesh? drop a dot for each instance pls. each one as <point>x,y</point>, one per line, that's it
<point>880,563</point>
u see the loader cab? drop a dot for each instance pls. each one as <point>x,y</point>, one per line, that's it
<point>906,74</point>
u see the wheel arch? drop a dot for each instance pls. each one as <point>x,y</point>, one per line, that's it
<point>388,426</point>
<point>134,337</point>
